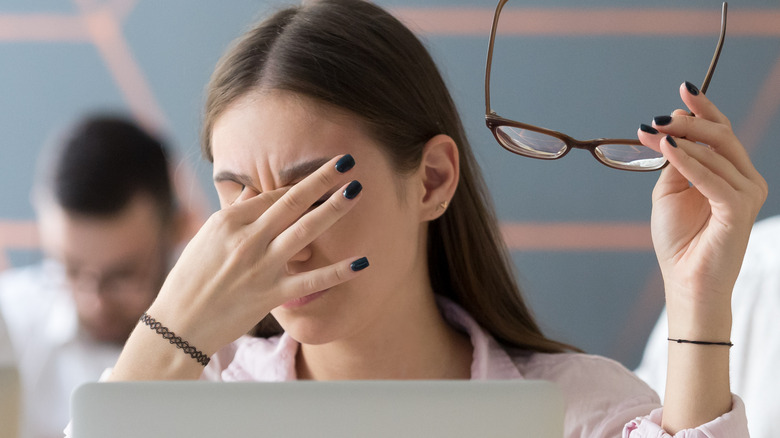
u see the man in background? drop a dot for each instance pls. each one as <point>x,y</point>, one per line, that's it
<point>108,227</point>
<point>755,356</point>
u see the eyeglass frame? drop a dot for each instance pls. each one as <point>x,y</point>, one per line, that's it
<point>494,121</point>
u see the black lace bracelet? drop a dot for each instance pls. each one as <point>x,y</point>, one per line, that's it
<point>173,339</point>
<point>685,341</point>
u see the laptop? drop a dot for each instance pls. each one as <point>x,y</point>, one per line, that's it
<point>498,408</point>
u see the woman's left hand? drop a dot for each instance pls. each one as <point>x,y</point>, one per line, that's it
<point>704,205</point>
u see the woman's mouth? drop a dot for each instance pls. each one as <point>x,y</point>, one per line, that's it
<point>302,301</point>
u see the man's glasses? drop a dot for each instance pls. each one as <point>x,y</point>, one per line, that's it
<point>536,142</point>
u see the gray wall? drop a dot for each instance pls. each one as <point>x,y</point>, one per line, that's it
<point>578,230</point>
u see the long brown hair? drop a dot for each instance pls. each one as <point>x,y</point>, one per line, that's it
<point>355,56</point>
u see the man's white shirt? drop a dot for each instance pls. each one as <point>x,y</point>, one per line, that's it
<point>53,355</point>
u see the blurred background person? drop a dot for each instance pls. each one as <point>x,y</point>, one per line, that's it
<point>755,333</point>
<point>108,227</point>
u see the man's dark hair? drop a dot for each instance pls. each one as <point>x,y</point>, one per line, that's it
<point>103,162</point>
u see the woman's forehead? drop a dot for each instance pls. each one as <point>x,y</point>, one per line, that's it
<point>279,114</point>
<point>274,137</point>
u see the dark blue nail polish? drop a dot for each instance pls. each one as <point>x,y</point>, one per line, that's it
<point>691,88</point>
<point>359,264</point>
<point>345,163</point>
<point>662,120</point>
<point>648,129</point>
<point>671,141</point>
<point>352,190</point>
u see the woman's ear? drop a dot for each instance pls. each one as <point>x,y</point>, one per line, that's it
<point>440,171</point>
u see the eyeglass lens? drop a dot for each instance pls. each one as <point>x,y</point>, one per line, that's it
<point>530,143</point>
<point>629,156</point>
<point>540,145</point>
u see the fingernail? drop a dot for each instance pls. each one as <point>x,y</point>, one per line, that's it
<point>692,88</point>
<point>671,141</point>
<point>648,129</point>
<point>662,120</point>
<point>359,264</point>
<point>352,190</point>
<point>345,163</point>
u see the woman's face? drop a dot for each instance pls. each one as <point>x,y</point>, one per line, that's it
<point>260,136</point>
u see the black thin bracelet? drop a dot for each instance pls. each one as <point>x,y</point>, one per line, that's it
<point>685,341</point>
<point>173,339</point>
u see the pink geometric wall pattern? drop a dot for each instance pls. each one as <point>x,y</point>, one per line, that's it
<point>100,23</point>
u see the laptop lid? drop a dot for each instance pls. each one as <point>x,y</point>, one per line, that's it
<point>505,408</point>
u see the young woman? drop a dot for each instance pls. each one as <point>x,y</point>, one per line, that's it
<point>403,274</point>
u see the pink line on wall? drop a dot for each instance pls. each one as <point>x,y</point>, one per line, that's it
<point>572,236</point>
<point>119,9</point>
<point>575,22</point>
<point>530,236</point>
<point>471,21</point>
<point>122,8</point>
<point>42,27</point>
<point>765,109</point>
<point>107,37</point>
<point>16,235</point>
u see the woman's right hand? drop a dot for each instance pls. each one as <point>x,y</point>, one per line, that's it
<point>234,271</point>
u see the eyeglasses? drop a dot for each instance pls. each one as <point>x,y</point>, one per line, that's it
<point>536,142</point>
<point>137,275</point>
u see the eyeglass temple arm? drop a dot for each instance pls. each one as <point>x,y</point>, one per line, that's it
<point>718,48</point>
<point>489,62</point>
<point>704,86</point>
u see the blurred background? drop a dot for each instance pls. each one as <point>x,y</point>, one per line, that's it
<point>578,231</point>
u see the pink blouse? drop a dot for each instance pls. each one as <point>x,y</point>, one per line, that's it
<point>603,399</point>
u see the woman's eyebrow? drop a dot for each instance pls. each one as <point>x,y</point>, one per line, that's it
<point>287,176</point>
<point>300,170</point>
<point>235,177</point>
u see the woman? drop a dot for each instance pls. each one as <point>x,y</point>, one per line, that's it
<point>316,98</point>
